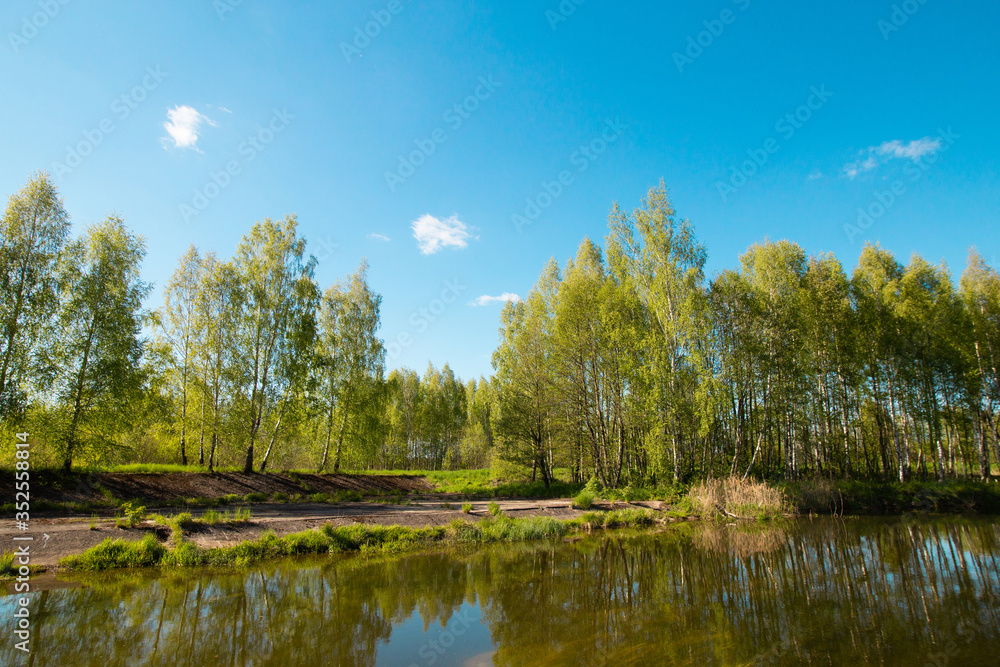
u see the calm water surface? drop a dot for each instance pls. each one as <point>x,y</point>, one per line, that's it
<point>821,592</point>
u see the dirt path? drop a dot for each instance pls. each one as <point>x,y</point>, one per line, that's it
<point>57,537</point>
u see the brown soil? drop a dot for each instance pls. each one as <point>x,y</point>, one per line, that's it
<point>55,486</point>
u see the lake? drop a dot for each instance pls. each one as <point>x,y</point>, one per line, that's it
<point>894,591</point>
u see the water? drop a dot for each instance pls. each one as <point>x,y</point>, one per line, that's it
<point>822,592</point>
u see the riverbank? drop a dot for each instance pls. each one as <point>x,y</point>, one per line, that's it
<point>72,535</point>
<point>358,537</point>
<point>72,529</point>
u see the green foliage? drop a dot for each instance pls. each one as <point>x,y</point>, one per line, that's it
<point>622,518</point>
<point>623,365</point>
<point>132,515</point>
<point>255,497</point>
<point>212,517</point>
<point>583,500</point>
<point>495,510</point>
<point>116,554</point>
<point>34,231</point>
<point>466,508</point>
<point>8,566</point>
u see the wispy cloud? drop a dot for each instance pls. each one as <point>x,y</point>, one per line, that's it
<point>182,126</point>
<point>816,175</point>
<point>379,237</point>
<point>486,299</point>
<point>873,156</point>
<point>433,234</point>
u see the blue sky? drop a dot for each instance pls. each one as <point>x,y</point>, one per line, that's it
<point>771,120</point>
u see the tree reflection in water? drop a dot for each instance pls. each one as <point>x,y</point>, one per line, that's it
<point>883,591</point>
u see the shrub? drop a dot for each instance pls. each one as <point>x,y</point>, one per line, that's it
<point>495,509</point>
<point>583,500</point>
<point>466,508</point>
<point>255,497</point>
<point>134,514</point>
<point>280,497</point>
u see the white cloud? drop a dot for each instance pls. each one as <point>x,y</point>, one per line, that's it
<point>379,237</point>
<point>815,175</point>
<point>182,125</point>
<point>433,234</point>
<point>873,156</point>
<point>486,299</point>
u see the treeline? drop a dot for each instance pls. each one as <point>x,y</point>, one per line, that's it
<point>627,364</point>
<point>247,363</point>
<point>630,366</point>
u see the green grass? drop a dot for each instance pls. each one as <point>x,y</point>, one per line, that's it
<point>480,483</point>
<point>212,518</point>
<point>466,508</point>
<point>630,517</point>
<point>364,538</point>
<point>112,554</point>
<point>583,500</point>
<point>8,568</point>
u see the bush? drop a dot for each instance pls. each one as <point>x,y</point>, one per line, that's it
<point>583,500</point>
<point>466,508</point>
<point>134,514</point>
<point>280,497</point>
<point>255,497</point>
<point>495,509</point>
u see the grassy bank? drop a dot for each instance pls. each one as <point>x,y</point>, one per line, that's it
<point>823,496</point>
<point>364,538</point>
